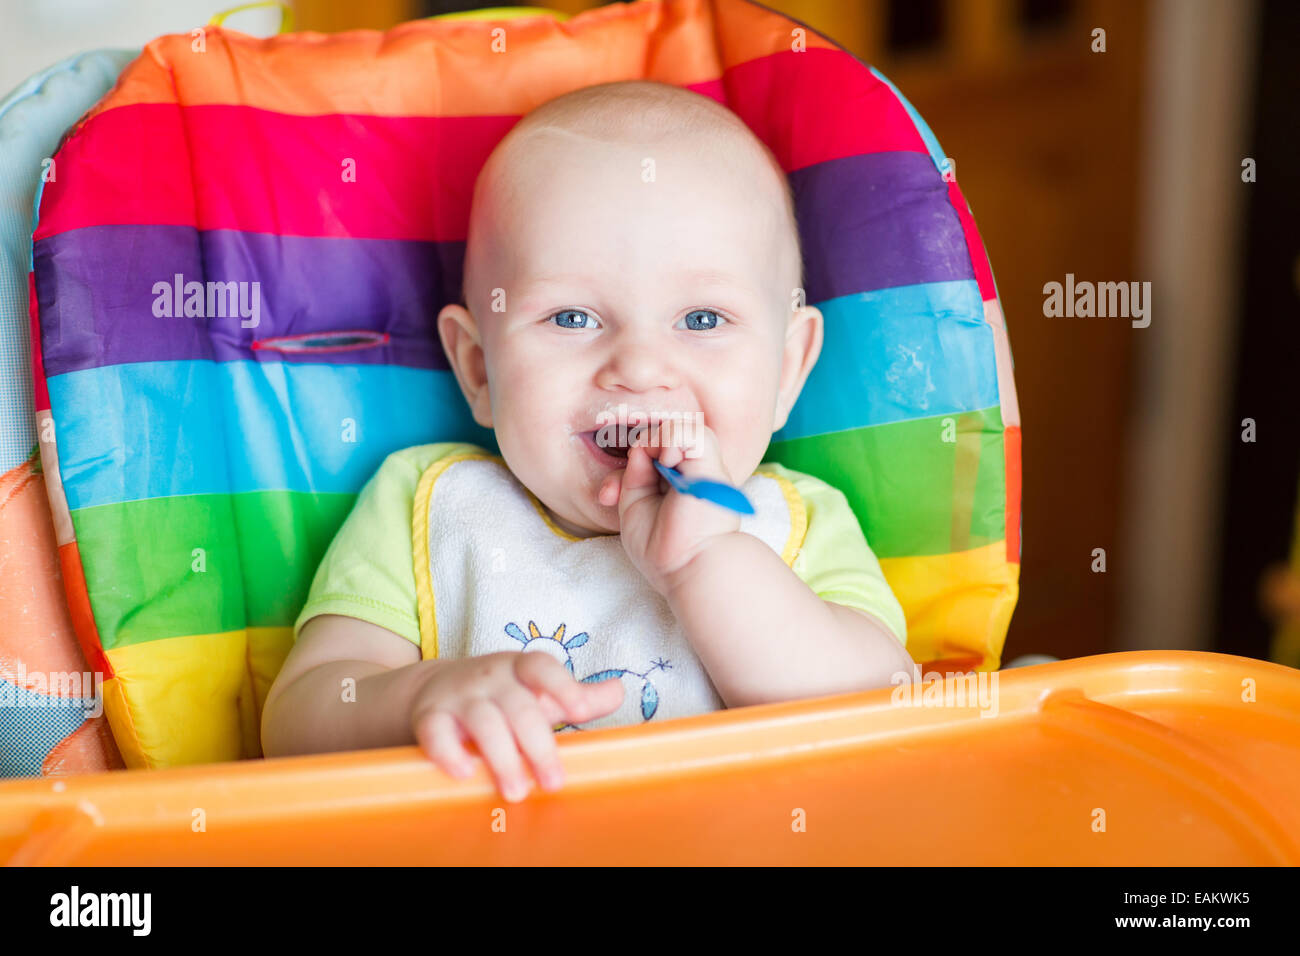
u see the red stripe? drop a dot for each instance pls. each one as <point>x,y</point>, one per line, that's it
<point>40,394</point>
<point>83,619</point>
<point>252,170</point>
<point>1011,451</point>
<point>978,257</point>
<point>950,665</point>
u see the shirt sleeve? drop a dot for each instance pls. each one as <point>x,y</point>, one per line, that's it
<point>835,559</point>
<point>368,572</point>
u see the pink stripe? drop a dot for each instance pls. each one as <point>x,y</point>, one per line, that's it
<point>978,257</point>
<point>817,106</point>
<point>236,167</point>
<point>40,393</point>
<point>257,171</point>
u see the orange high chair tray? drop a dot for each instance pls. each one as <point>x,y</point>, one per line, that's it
<point>1142,758</point>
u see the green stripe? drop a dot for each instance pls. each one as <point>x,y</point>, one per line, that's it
<point>259,554</point>
<point>918,495</point>
<point>261,549</point>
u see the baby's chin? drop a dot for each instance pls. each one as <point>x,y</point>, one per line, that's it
<point>601,521</point>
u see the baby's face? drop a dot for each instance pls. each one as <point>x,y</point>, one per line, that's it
<point>669,296</point>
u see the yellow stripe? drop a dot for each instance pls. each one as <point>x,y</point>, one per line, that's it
<point>267,649</point>
<point>798,514</point>
<point>193,699</point>
<point>957,604</point>
<point>117,710</point>
<point>183,700</point>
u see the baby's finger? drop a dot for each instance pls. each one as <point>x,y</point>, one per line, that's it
<point>603,698</point>
<point>439,737</point>
<point>701,454</point>
<point>666,450</point>
<point>489,729</point>
<point>546,676</point>
<point>534,734</point>
<point>610,488</point>
<point>552,709</point>
<point>640,479</point>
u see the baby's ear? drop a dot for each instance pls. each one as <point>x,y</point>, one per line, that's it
<point>460,342</point>
<point>803,345</point>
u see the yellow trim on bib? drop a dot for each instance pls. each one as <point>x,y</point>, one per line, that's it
<point>420,548</point>
<point>424,597</point>
<point>550,522</point>
<point>798,514</point>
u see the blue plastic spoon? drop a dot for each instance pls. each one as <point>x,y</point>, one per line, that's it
<point>715,491</point>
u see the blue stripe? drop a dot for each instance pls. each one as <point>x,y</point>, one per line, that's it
<point>922,127</point>
<point>157,429</point>
<point>898,354</point>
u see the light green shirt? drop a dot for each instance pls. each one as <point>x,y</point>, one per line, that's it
<point>368,572</point>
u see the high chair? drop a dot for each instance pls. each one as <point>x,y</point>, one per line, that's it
<point>196,468</point>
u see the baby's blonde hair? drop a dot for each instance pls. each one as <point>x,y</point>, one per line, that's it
<point>627,111</point>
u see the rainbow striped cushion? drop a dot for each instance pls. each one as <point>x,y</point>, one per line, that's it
<point>206,459</point>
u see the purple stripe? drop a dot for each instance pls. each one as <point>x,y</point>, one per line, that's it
<point>877,221</point>
<point>95,289</point>
<point>871,222</point>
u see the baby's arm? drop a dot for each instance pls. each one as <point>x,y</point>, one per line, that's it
<point>306,709</point>
<point>506,703</point>
<point>764,636</point>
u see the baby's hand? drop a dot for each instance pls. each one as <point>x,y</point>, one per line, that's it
<point>661,529</point>
<point>507,703</point>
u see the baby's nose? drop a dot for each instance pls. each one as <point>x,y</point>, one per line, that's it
<point>637,364</point>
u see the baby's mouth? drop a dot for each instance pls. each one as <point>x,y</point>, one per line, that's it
<point>613,445</point>
<point>615,442</point>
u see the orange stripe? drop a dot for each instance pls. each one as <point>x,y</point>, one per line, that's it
<point>83,619</point>
<point>1011,448</point>
<point>355,72</point>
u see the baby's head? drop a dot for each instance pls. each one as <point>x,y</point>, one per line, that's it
<point>631,246</point>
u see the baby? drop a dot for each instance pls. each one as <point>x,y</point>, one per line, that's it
<point>632,293</point>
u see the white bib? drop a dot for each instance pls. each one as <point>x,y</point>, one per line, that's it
<point>496,575</point>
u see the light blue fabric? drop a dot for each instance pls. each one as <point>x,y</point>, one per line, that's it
<point>302,427</point>
<point>32,725</point>
<point>33,118</point>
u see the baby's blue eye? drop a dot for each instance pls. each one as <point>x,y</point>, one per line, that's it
<point>703,320</point>
<point>573,319</point>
